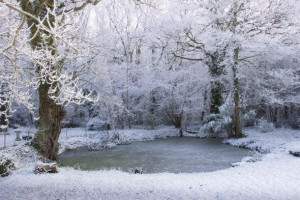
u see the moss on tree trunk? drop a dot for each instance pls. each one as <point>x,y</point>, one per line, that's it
<point>51,114</point>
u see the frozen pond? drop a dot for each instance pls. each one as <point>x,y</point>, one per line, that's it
<point>174,155</point>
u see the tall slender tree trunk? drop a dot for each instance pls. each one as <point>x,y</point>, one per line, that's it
<point>128,65</point>
<point>236,87</point>
<point>129,56</point>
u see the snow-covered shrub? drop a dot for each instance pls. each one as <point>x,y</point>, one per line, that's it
<point>95,124</point>
<point>227,110</point>
<point>264,126</point>
<point>149,120</point>
<point>213,123</point>
<point>5,166</point>
<point>248,119</point>
<point>218,123</point>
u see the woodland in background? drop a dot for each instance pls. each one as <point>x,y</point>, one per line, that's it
<point>218,65</point>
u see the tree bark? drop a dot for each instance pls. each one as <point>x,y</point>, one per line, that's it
<point>3,108</point>
<point>128,67</point>
<point>3,120</point>
<point>50,114</point>
<point>236,88</point>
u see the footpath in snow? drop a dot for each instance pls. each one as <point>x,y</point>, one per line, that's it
<point>275,176</point>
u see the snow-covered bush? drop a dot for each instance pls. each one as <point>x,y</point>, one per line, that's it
<point>248,118</point>
<point>149,120</point>
<point>264,126</point>
<point>5,166</point>
<point>218,123</point>
<point>95,124</point>
<point>227,110</point>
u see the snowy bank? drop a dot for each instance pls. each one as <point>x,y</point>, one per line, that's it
<point>279,140</point>
<point>276,176</point>
<point>73,138</point>
<point>269,179</point>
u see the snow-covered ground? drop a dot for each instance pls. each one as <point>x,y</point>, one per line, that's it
<point>276,176</point>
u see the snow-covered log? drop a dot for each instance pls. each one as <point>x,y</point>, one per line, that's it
<point>46,168</point>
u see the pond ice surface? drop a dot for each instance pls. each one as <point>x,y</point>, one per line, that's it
<point>175,155</point>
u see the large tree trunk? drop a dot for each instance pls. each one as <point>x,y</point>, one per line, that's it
<point>51,114</point>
